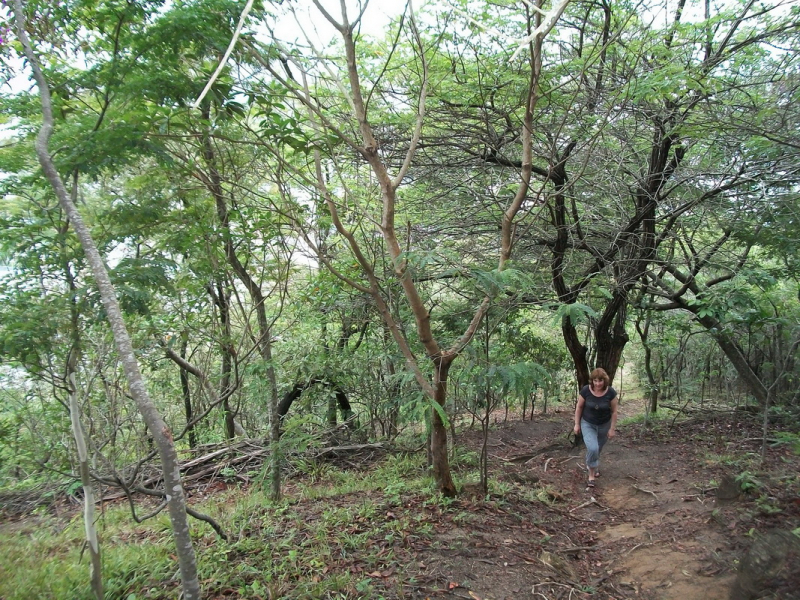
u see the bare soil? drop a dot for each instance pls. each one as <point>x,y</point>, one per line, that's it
<point>675,512</point>
<point>652,527</point>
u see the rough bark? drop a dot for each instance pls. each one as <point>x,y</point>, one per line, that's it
<point>155,424</point>
<point>439,459</point>
<point>577,350</point>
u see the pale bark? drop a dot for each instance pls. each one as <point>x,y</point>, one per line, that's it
<point>92,541</point>
<point>158,428</point>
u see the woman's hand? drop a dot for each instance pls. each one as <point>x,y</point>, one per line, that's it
<point>611,433</point>
<point>576,430</point>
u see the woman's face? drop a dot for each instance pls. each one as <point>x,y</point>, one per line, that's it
<point>598,382</point>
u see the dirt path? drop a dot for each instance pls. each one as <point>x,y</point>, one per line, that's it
<point>650,529</point>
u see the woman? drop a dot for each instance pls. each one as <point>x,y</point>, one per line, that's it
<point>596,417</point>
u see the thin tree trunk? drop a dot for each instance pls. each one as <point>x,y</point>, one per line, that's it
<point>96,571</point>
<point>487,398</point>
<point>226,349</point>
<point>369,149</point>
<point>176,499</point>
<point>735,354</point>
<point>88,491</point>
<point>652,384</point>
<point>440,462</point>
<point>274,423</point>
<point>187,393</point>
<point>214,184</point>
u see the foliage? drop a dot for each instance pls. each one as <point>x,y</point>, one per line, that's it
<point>664,179</point>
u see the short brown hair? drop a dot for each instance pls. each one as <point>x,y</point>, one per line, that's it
<point>600,374</point>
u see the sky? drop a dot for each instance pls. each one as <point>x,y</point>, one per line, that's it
<point>309,21</point>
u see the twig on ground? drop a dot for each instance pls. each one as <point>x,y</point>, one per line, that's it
<point>600,580</point>
<point>528,559</point>
<point>643,544</point>
<point>573,587</point>
<point>576,549</point>
<point>546,463</point>
<point>206,519</point>
<point>636,487</point>
<point>591,500</point>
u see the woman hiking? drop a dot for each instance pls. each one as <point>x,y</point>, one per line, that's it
<point>596,418</point>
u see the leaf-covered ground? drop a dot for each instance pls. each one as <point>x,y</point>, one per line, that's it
<point>653,528</point>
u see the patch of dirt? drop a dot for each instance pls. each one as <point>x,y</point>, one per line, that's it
<point>650,529</point>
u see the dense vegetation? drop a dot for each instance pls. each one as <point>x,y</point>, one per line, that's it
<point>401,227</point>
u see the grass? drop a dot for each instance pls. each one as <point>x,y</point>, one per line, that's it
<point>664,416</point>
<point>313,544</point>
<point>44,560</point>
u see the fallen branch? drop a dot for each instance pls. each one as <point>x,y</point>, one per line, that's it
<point>643,544</point>
<point>570,515</point>
<point>338,450</point>
<point>589,502</point>
<point>636,487</point>
<point>206,519</point>
<point>576,549</point>
<point>600,580</point>
<point>525,458</point>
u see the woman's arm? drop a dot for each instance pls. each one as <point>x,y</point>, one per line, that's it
<point>578,413</point>
<point>613,404</point>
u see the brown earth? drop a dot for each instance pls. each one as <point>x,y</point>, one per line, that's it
<point>652,528</point>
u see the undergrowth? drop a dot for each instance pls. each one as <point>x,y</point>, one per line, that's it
<point>312,544</point>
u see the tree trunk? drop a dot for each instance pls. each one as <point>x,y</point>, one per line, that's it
<point>652,384</point>
<point>577,350</point>
<point>186,392</point>
<point>92,542</point>
<point>264,342</point>
<point>440,462</point>
<point>369,148</point>
<point>86,481</point>
<point>176,499</point>
<point>226,349</point>
<point>274,423</point>
<point>734,353</point>
<point>611,341</point>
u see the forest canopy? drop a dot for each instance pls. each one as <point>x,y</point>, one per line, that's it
<point>303,214</point>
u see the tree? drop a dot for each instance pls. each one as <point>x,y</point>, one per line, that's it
<point>388,167</point>
<point>639,136</point>
<point>158,428</point>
